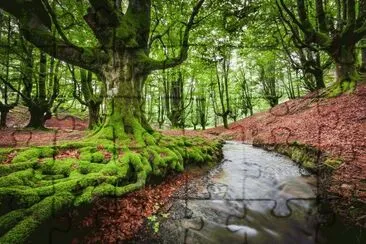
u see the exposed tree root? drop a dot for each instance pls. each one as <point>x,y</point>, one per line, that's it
<point>39,182</point>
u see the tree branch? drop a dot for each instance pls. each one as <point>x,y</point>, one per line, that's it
<point>14,89</point>
<point>37,32</point>
<point>183,54</point>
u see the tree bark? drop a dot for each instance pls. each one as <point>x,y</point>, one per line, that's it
<point>94,117</point>
<point>225,120</point>
<point>345,59</point>
<point>363,62</point>
<point>319,79</point>
<point>4,114</point>
<point>38,117</point>
<point>125,81</point>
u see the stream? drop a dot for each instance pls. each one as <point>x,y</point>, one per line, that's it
<point>254,196</point>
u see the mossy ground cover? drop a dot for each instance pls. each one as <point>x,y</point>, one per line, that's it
<point>38,182</point>
<point>309,157</point>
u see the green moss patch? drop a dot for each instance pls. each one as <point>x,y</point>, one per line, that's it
<point>38,182</point>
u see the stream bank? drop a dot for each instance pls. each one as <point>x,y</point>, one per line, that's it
<point>254,196</point>
<point>323,166</point>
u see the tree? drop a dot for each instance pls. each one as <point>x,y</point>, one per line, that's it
<point>267,77</point>
<point>175,104</point>
<point>246,94</point>
<point>304,59</point>
<point>363,57</point>
<point>161,109</point>
<point>121,58</point>
<point>92,98</point>
<point>40,82</point>
<point>333,26</point>
<point>222,84</point>
<point>202,108</point>
<point>5,104</point>
<point>194,112</point>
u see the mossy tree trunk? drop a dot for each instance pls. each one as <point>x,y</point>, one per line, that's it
<point>345,59</point>
<point>161,110</point>
<point>125,79</point>
<point>319,79</point>
<point>270,89</point>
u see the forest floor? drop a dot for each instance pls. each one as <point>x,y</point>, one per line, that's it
<point>337,126</point>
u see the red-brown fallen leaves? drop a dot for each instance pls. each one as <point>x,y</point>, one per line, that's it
<point>69,153</point>
<point>24,137</point>
<point>9,158</point>
<point>118,219</point>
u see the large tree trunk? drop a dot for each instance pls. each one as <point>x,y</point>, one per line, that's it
<point>125,82</point>
<point>345,59</point>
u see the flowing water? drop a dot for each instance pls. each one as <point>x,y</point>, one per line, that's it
<point>254,196</point>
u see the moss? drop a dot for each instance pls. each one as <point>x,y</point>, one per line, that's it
<point>21,232</point>
<point>40,187</point>
<point>18,178</point>
<point>37,214</point>
<point>195,155</point>
<point>85,197</point>
<point>16,198</point>
<point>57,167</point>
<point>342,87</point>
<point>104,189</point>
<point>97,157</point>
<point>26,155</point>
<point>9,220</point>
<point>117,170</point>
<point>333,162</point>
<point>53,178</point>
<point>149,139</point>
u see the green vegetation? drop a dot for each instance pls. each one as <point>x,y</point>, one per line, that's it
<point>32,194</point>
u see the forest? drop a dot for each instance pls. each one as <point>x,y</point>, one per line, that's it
<point>117,100</point>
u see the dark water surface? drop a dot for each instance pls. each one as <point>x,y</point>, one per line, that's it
<point>254,196</point>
